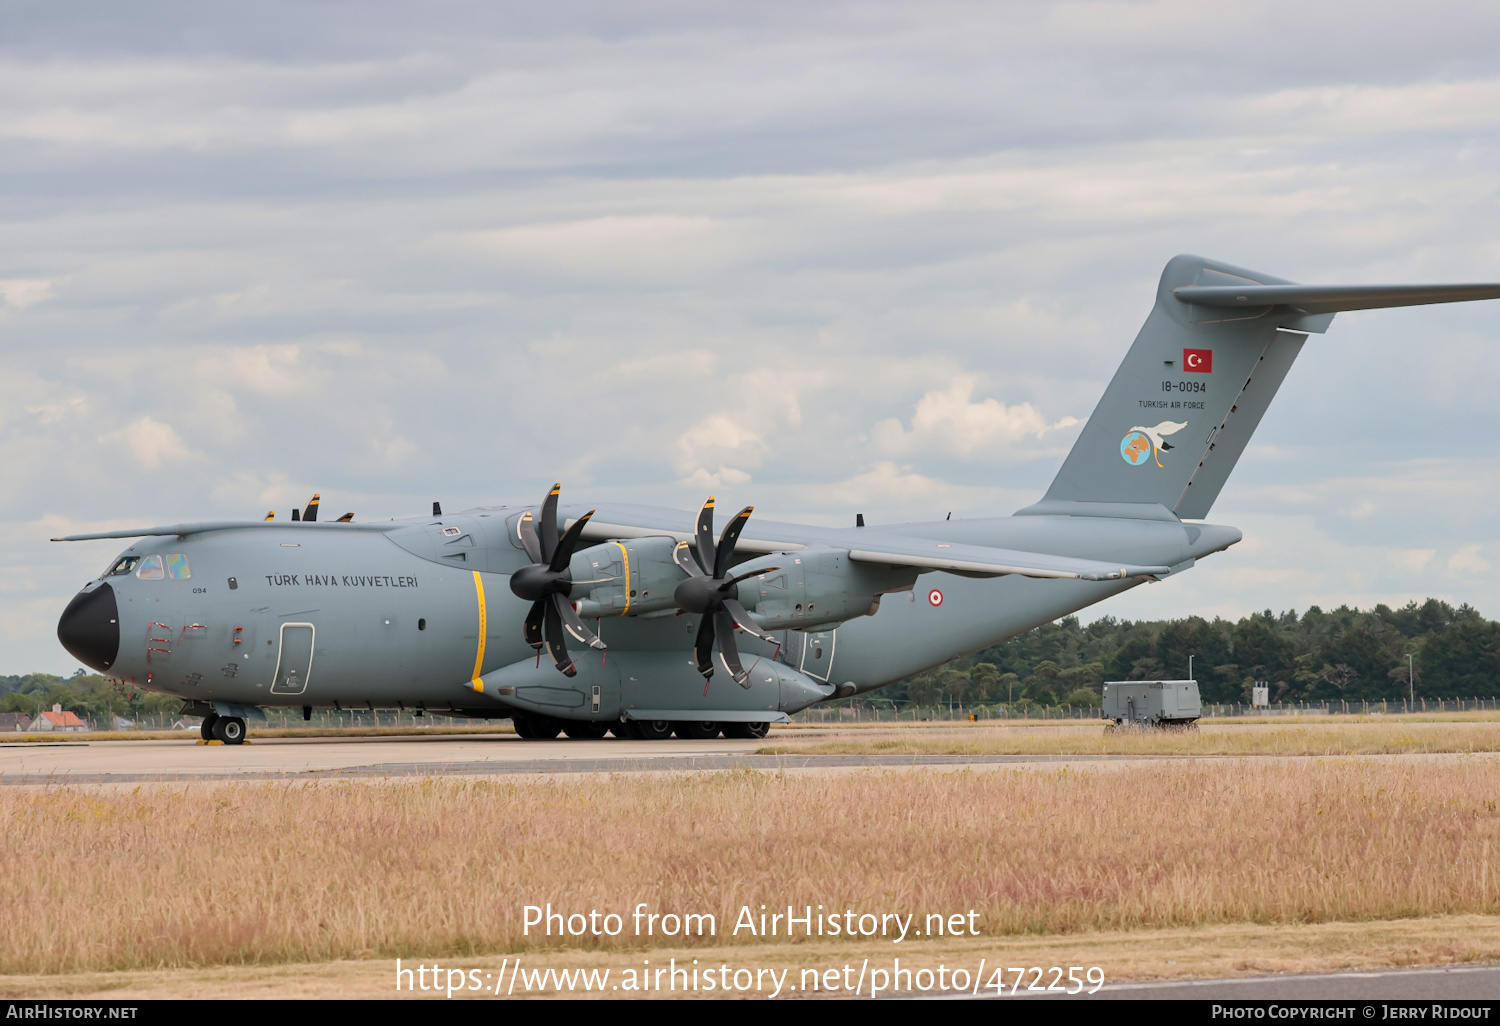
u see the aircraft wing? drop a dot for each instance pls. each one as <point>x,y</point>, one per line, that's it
<point>980,559</point>
<point>204,527</point>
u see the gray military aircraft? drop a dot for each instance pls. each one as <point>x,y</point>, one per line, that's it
<point>637,606</point>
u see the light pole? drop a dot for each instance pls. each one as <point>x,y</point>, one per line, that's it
<point>1411,681</point>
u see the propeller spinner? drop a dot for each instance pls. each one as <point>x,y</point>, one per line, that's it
<point>710,591</point>
<point>547,581</point>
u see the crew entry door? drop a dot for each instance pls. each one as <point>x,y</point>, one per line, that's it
<point>294,661</point>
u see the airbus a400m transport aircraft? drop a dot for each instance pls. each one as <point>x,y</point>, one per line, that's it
<point>637,605</point>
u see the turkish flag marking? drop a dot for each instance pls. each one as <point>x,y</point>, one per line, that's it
<point>1198,361</point>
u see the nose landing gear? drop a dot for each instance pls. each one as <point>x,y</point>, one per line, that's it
<point>229,730</point>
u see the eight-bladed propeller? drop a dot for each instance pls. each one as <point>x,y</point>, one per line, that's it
<point>546,582</point>
<point>710,591</point>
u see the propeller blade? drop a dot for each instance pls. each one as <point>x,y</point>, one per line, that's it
<point>725,557</point>
<point>548,525</point>
<point>745,577</point>
<point>684,557</point>
<point>311,512</point>
<point>741,617</point>
<point>703,536</point>
<point>526,530</point>
<point>534,623</point>
<point>556,647</point>
<point>347,518</point>
<point>574,626</point>
<point>703,646</point>
<point>563,554</point>
<point>729,651</point>
<point>271,515</point>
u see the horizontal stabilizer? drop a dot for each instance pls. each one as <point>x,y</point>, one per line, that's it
<point>981,559</point>
<point>1332,298</point>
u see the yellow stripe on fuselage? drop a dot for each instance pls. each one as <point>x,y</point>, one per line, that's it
<point>475,683</point>
<point>626,557</point>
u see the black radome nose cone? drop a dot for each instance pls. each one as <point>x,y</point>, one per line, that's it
<point>90,628</point>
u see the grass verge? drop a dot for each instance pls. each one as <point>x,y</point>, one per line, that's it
<point>1327,738</point>
<point>175,876</point>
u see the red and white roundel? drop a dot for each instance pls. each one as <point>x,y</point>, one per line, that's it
<point>935,597</point>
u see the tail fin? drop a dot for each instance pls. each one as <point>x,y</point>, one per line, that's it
<point>1196,382</point>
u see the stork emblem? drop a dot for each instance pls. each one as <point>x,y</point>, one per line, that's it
<point>1142,443</point>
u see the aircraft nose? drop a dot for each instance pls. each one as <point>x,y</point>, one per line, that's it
<point>90,628</point>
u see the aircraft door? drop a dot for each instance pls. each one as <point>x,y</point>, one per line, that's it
<point>294,661</point>
<point>817,654</point>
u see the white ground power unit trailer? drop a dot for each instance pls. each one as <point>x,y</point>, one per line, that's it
<point>1152,703</point>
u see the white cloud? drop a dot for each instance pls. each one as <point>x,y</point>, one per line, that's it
<point>1467,560</point>
<point>23,292</point>
<point>951,421</point>
<point>150,443</point>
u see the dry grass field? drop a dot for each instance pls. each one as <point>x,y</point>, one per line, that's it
<point>170,876</point>
<point>1329,736</point>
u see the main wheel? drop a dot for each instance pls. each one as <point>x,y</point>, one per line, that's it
<point>696,730</point>
<point>625,730</point>
<point>653,730</point>
<point>230,730</point>
<point>747,730</point>
<point>206,731</point>
<point>585,730</point>
<point>544,728</point>
<point>522,726</point>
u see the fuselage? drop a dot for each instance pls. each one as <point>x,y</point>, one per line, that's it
<point>418,613</point>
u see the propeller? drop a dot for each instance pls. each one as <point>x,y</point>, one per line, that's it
<point>710,591</point>
<point>311,512</point>
<point>547,581</point>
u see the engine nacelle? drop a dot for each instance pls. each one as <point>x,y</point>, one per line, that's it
<point>814,587</point>
<point>641,577</point>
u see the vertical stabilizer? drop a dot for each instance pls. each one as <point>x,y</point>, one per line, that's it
<point>1196,382</point>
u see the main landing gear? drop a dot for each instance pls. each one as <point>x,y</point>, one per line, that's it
<point>229,730</point>
<point>538,727</point>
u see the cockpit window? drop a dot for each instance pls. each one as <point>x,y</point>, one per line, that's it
<point>151,569</point>
<point>177,566</point>
<point>123,566</point>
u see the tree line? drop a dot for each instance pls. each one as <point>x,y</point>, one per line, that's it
<point>1320,655</point>
<point>89,695</point>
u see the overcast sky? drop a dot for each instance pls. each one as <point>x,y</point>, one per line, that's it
<point>820,258</point>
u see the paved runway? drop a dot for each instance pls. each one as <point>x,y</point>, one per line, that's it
<point>314,758</point>
<point>124,762</point>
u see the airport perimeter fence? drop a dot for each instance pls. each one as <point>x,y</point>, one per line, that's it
<point>895,712</point>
